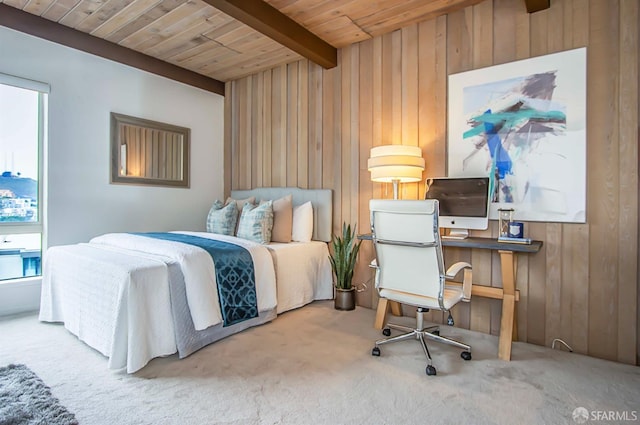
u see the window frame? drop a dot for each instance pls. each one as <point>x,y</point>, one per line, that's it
<point>14,228</point>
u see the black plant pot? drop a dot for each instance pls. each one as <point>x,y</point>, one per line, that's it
<point>345,299</point>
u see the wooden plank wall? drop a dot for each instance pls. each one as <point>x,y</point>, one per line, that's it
<point>300,125</point>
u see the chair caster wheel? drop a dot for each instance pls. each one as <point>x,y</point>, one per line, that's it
<point>386,332</point>
<point>431,370</point>
<point>465,355</point>
<point>375,352</point>
<point>450,321</point>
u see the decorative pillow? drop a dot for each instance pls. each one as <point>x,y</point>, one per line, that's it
<point>256,222</point>
<point>282,219</point>
<point>222,218</point>
<point>240,203</point>
<point>302,229</point>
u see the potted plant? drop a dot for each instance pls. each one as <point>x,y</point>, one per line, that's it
<point>343,261</point>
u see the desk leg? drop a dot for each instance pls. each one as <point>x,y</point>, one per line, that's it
<point>507,323</point>
<point>396,308</point>
<point>514,336</point>
<point>381,313</point>
<point>383,309</point>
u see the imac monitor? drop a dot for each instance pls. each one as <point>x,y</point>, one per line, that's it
<point>464,203</point>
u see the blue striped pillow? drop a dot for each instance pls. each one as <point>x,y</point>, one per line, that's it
<point>256,222</point>
<point>222,218</point>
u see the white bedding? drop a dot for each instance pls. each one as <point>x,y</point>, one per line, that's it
<point>118,301</point>
<point>303,273</point>
<point>198,269</point>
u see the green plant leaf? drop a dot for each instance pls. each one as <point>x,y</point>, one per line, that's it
<point>344,256</point>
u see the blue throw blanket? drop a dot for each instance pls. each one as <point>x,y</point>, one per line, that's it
<point>235,275</point>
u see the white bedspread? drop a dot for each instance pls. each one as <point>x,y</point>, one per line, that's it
<point>198,269</point>
<point>117,300</point>
<point>303,273</point>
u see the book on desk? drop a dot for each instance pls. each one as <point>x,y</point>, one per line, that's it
<point>509,239</point>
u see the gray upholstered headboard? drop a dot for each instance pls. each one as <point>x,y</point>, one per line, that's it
<point>321,200</point>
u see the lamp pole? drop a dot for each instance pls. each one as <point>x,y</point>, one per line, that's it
<point>396,183</point>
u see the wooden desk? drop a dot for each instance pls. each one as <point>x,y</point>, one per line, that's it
<point>508,293</point>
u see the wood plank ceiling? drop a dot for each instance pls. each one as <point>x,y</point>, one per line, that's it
<point>194,35</point>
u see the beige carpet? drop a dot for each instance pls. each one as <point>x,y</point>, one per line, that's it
<point>313,366</point>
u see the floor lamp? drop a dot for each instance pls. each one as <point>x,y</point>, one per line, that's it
<point>396,164</point>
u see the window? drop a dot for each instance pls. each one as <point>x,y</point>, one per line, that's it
<point>23,106</point>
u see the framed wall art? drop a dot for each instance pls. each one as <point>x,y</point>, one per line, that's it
<point>523,124</point>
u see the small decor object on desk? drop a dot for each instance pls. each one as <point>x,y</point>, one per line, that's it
<point>505,216</point>
<point>343,261</point>
<point>510,231</point>
<point>516,229</point>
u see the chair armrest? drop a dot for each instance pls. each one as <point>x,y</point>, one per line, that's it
<point>467,279</point>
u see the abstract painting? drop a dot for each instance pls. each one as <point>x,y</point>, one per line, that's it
<point>523,124</point>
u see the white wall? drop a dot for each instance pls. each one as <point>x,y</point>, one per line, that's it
<point>80,202</point>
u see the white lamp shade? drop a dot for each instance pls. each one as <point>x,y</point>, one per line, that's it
<point>396,162</point>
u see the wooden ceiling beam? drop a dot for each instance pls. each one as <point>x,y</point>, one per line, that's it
<point>266,19</point>
<point>18,20</point>
<point>537,5</point>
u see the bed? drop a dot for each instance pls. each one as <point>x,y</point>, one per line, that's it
<point>133,298</point>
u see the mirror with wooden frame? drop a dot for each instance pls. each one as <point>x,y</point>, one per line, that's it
<point>146,152</point>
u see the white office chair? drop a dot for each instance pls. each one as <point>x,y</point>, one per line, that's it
<point>410,268</point>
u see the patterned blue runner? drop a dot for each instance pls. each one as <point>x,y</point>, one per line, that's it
<point>235,275</point>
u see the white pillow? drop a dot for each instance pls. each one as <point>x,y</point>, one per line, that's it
<point>302,229</point>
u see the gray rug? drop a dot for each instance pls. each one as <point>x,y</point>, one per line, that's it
<point>25,399</point>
